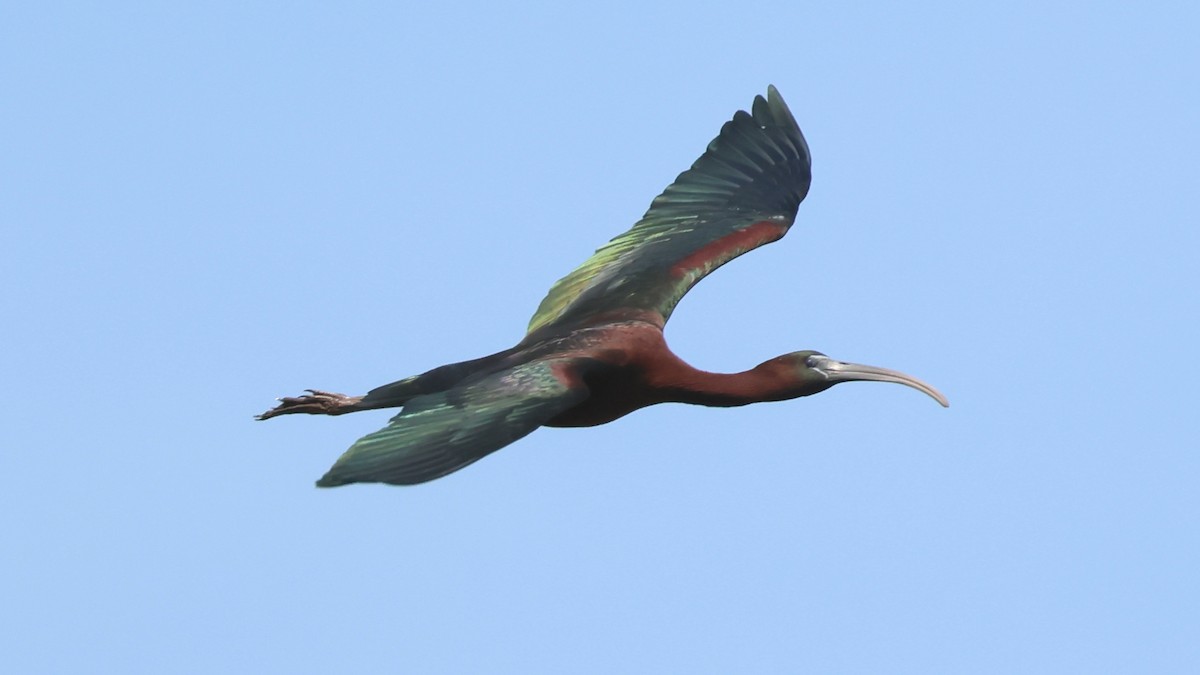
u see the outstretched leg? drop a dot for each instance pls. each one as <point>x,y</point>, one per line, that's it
<point>316,402</point>
<point>393,395</point>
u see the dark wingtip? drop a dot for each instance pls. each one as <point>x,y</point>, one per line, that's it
<point>771,102</point>
<point>329,480</point>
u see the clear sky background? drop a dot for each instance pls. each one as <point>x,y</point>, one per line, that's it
<point>208,206</point>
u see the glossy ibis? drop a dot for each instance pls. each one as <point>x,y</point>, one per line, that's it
<point>594,350</point>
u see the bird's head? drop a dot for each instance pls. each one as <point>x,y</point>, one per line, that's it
<point>817,372</point>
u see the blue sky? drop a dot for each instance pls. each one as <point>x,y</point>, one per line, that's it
<point>208,206</point>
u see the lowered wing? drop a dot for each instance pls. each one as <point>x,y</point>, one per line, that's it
<point>442,432</point>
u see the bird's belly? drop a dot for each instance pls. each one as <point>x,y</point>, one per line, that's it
<point>593,412</point>
<point>609,400</point>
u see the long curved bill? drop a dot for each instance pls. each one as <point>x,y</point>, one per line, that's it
<point>839,371</point>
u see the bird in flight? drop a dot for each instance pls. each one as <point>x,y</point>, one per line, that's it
<point>594,350</point>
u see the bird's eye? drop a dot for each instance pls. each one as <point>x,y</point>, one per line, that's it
<point>811,361</point>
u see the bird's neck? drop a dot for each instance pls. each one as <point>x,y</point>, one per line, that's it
<point>766,382</point>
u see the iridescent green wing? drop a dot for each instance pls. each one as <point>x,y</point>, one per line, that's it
<point>742,193</point>
<point>440,433</point>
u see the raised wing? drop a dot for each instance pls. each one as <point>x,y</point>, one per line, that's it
<point>440,433</point>
<point>742,193</point>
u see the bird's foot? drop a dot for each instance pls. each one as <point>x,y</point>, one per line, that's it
<point>316,402</point>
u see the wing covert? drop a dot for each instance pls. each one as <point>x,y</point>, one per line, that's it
<point>743,192</point>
